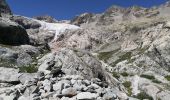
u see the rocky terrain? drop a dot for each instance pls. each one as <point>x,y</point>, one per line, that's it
<point>120,54</point>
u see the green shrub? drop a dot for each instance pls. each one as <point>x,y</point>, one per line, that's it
<point>125,74</point>
<point>106,55</point>
<point>156,81</point>
<point>167,77</point>
<point>28,69</point>
<point>148,77</point>
<point>6,63</point>
<point>116,75</point>
<point>126,56</point>
<point>127,85</point>
<point>143,95</point>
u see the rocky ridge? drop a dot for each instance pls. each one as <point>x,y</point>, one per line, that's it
<point>121,54</point>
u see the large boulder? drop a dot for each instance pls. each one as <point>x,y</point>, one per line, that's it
<point>74,62</point>
<point>27,23</point>
<point>11,33</point>
<point>9,75</point>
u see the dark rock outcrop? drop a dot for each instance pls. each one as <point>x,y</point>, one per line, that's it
<point>11,33</point>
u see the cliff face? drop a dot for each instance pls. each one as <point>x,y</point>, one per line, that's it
<point>4,8</point>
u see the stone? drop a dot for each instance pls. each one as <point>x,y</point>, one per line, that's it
<point>30,90</point>
<point>9,75</point>
<point>47,85</point>
<point>86,96</point>
<point>25,78</point>
<point>151,90</point>
<point>46,62</point>
<point>122,96</point>
<point>109,96</point>
<point>58,87</point>
<point>69,92</point>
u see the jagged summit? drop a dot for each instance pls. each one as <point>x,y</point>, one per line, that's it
<point>4,8</point>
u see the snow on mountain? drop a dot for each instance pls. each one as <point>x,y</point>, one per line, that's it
<point>54,27</point>
<point>57,27</point>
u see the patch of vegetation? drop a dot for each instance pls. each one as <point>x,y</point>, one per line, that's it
<point>143,95</point>
<point>106,55</point>
<point>131,60</point>
<point>152,78</point>
<point>127,85</point>
<point>125,74</point>
<point>135,29</point>
<point>28,69</point>
<point>167,77</point>
<point>148,77</point>
<point>116,75</point>
<point>126,56</point>
<point>156,81</point>
<point>6,63</point>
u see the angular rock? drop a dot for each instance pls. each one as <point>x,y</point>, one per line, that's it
<point>4,8</point>
<point>86,96</point>
<point>9,75</point>
<point>69,92</point>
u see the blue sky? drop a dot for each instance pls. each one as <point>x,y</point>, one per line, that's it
<point>67,9</point>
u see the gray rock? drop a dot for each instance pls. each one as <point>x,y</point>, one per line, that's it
<point>69,92</point>
<point>87,96</point>
<point>25,22</point>
<point>164,95</point>
<point>29,49</point>
<point>109,96</point>
<point>6,97</point>
<point>78,85</point>
<point>9,75</point>
<point>46,62</point>
<point>86,65</point>
<point>47,85</point>
<point>46,18</point>
<point>59,86</point>
<point>27,78</point>
<point>31,90</point>
<point>24,59</point>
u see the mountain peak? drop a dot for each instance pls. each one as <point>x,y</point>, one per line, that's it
<point>4,8</point>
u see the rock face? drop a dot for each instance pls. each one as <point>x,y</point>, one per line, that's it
<point>46,18</point>
<point>12,33</point>
<point>5,10</point>
<point>73,62</point>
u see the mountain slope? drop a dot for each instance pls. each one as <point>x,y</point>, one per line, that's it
<point>121,54</point>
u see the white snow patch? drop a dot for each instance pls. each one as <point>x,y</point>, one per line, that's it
<point>58,28</point>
